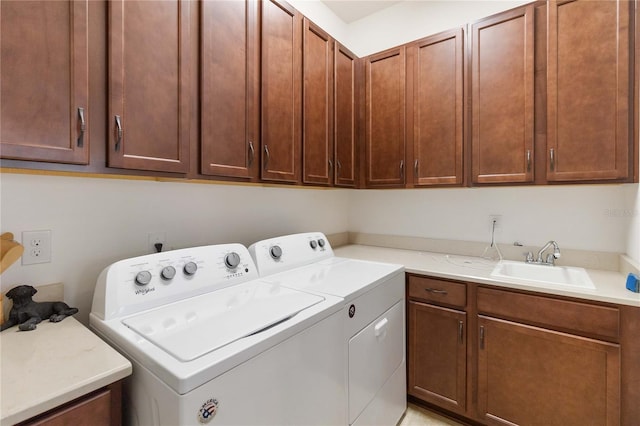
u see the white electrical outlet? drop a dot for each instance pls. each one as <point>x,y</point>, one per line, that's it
<point>37,247</point>
<point>156,238</point>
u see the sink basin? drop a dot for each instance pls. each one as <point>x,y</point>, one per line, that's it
<point>543,274</point>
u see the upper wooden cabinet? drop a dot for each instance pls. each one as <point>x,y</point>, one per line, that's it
<point>229,90</point>
<point>346,70</point>
<point>589,87</point>
<point>317,101</point>
<point>385,118</point>
<point>149,85</point>
<point>502,92</point>
<point>437,66</point>
<point>45,81</point>
<point>281,92</point>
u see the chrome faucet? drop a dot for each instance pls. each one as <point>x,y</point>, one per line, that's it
<point>551,257</point>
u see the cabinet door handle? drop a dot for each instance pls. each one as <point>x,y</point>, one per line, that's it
<point>460,331</point>
<point>482,337</point>
<point>118,132</point>
<point>267,156</point>
<point>83,126</point>
<point>415,167</point>
<point>528,160</point>
<point>552,158</point>
<point>402,168</point>
<point>252,153</point>
<point>435,290</point>
<point>330,166</point>
<point>338,167</point>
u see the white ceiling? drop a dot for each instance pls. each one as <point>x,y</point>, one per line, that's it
<point>352,10</point>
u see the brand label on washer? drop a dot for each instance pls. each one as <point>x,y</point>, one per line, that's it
<point>208,411</point>
<point>352,311</point>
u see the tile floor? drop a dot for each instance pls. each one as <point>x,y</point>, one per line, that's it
<point>418,416</point>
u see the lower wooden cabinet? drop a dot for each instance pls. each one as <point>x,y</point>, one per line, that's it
<point>102,407</point>
<point>437,361</point>
<point>497,356</point>
<point>529,375</point>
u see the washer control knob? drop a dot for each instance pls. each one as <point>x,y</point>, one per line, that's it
<point>275,252</point>
<point>313,244</point>
<point>143,278</point>
<point>232,260</point>
<point>321,242</point>
<point>190,268</point>
<point>168,272</point>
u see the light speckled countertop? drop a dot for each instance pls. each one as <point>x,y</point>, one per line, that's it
<point>610,286</point>
<point>52,365</point>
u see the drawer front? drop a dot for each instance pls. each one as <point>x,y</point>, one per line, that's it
<point>580,318</point>
<point>440,292</point>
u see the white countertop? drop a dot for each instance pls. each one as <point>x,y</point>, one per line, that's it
<point>52,365</point>
<point>610,286</point>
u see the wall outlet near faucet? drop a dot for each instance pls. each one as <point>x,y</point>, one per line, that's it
<point>37,247</point>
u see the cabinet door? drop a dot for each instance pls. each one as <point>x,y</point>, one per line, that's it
<point>588,90</point>
<point>317,133</point>
<point>529,375</point>
<point>229,88</point>
<point>149,85</point>
<point>437,109</point>
<point>45,81</point>
<point>385,118</point>
<point>437,355</point>
<point>502,73</point>
<point>281,91</point>
<point>345,116</point>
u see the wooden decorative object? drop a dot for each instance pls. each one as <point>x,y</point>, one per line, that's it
<point>10,251</point>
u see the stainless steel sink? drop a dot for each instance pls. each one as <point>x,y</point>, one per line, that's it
<point>532,273</point>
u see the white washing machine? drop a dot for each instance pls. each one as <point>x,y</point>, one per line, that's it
<point>373,317</point>
<point>210,343</point>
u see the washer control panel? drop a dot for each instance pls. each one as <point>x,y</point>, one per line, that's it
<point>289,251</point>
<point>146,281</point>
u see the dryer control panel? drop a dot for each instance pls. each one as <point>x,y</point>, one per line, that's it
<point>289,251</point>
<point>144,282</point>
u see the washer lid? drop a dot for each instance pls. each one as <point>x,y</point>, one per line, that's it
<point>193,327</point>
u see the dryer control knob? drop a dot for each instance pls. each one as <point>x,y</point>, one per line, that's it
<point>313,244</point>
<point>275,252</point>
<point>168,272</point>
<point>190,268</point>
<point>321,242</point>
<point>232,260</point>
<point>143,278</point>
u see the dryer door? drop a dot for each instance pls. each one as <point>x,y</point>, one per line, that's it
<point>374,354</point>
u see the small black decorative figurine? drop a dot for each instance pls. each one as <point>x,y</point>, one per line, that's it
<point>28,313</point>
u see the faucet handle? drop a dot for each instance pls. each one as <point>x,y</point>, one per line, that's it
<point>551,259</point>
<point>529,258</point>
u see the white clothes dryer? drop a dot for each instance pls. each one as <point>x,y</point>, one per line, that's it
<point>373,317</point>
